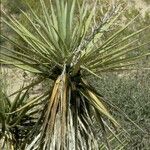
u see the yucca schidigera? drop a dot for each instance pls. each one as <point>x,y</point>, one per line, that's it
<point>61,48</point>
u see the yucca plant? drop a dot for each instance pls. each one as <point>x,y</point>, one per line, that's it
<point>15,126</point>
<point>61,47</point>
<point>18,115</point>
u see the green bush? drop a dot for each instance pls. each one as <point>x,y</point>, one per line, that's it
<point>131,93</point>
